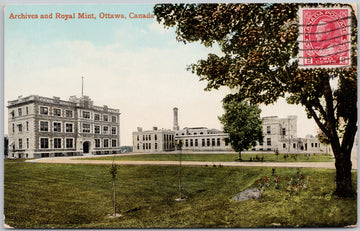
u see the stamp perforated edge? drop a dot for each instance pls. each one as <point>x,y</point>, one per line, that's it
<point>301,44</point>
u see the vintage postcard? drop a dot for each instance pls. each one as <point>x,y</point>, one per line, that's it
<point>193,115</point>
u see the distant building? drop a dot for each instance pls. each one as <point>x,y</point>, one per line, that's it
<point>203,139</point>
<point>49,127</point>
<point>280,134</point>
<point>153,140</point>
<point>193,139</point>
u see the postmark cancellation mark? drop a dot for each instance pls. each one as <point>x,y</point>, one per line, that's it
<point>324,37</point>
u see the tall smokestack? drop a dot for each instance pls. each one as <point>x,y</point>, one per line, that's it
<point>176,123</point>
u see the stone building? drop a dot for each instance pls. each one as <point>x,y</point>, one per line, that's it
<point>280,134</point>
<point>194,139</point>
<point>153,140</point>
<point>48,127</point>
<point>200,139</point>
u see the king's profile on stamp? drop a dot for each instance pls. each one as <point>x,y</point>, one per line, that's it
<point>324,37</point>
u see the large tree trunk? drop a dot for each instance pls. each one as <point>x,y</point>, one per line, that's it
<point>343,175</point>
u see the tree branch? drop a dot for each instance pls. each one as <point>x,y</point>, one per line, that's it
<point>317,120</point>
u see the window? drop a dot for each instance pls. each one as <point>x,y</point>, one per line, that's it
<point>69,113</point>
<point>191,142</point>
<point>86,114</point>
<point>203,142</point>
<point>105,129</point>
<point>113,143</point>
<point>97,143</point>
<point>268,129</point>
<point>12,114</point>
<point>44,142</point>
<point>218,142</point>
<point>113,119</point>
<point>186,143</point>
<point>105,117</point>
<point>57,142</point>
<point>137,137</point>
<point>294,145</point>
<point>208,142</point>
<point>13,128</point>
<point>20,111</point>
<point>97,129</point>
<point>57,126</point>
<point>213,142</point>
<point>156,145</point>
<point>113,130</point>
<point>27,110</point>
<point>27,126</point>
<point>44,126</point>
<point>27,142</point>
<point>96,117</point>
<point>86,128</point>
<point>69,143</point>
<point>20,143</point>
<point>155,137</point>
<point>106,143</point>
<point>268,141</point>
<point>283,132</point>
<point>196,142</point>
<point>19,127</point>
<point>57,112</point>
<point>44,111</point>
<point>68,127</point>
<point>284,145</point>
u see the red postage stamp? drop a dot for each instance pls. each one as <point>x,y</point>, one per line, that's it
<point>324,37</point>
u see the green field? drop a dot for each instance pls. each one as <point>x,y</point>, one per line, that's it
<point>224,157</point>
<point>80,196</point>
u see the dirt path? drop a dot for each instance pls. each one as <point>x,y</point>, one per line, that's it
<point>81,160</point>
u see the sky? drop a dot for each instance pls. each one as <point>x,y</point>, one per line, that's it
<point>134,65</point>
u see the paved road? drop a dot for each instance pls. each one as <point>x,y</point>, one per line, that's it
<point>81,160</point>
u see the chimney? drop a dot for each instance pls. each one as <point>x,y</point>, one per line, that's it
<point>176,123</point>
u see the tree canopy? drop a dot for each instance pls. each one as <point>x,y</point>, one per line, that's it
<point>243,124</point>
<point>259,61</point>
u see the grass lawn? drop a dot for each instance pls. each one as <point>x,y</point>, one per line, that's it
<point>225,157</point>
<point>80,196</point>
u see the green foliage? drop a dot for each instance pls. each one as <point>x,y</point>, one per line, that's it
<point>243,124</point>
<point>77,196</point>
<point>259,61</point>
